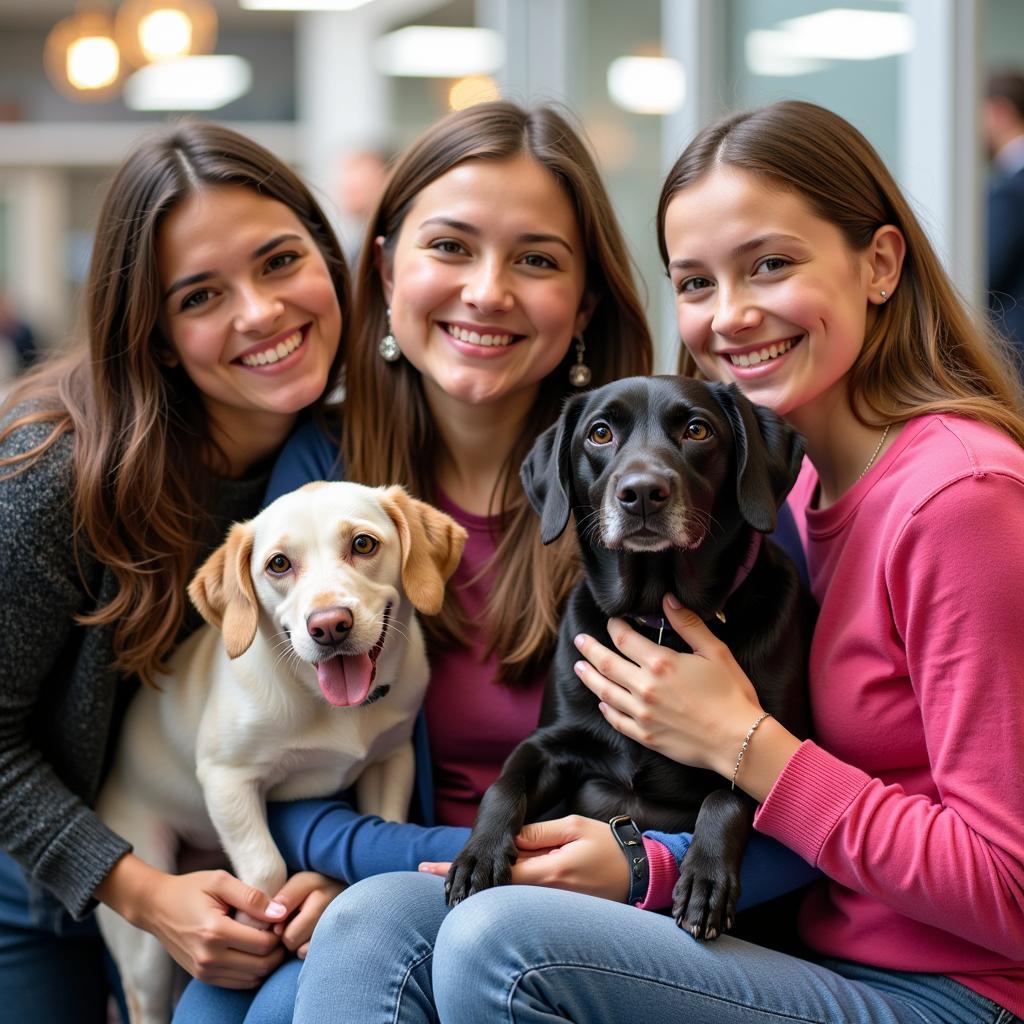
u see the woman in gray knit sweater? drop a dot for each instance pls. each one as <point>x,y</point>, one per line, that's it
<point>214,313</point>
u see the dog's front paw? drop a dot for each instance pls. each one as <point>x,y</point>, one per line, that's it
<point>481,865</point>
<point>704,898</point>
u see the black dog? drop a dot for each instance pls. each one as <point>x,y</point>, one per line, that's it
<point>672,483</point>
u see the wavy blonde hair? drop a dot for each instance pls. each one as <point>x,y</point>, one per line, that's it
<point>532,581</point>
<point>924,352</point>
<point>140,432</point>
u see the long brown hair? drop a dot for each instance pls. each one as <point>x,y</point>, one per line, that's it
<point>140,432</point>
<point>923,352</point>
<point>387,433</point>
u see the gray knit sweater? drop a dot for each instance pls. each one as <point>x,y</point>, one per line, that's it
<point>58,692</point>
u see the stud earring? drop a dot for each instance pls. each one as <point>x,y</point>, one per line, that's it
<point>388,345</point>
<point>579,372</point>
<point>885,295</point>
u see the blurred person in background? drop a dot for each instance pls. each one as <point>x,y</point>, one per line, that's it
<point>17,342</point>
<point>362,174</point>
<point>1003,117</point>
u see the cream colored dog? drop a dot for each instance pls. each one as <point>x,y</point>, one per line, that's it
<point>307,680</point>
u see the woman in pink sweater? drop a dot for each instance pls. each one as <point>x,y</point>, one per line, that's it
<point>801,275</point>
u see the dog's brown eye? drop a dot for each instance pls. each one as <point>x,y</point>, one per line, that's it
<point>364,544</point>
<point>278,565</point>
<point>600,433</point>
<point>698,430</point>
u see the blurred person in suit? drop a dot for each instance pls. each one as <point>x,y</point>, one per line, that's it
<point>1003,117</point>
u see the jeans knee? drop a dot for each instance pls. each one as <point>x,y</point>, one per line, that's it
<point>375,904</point>
<point>479,924</point>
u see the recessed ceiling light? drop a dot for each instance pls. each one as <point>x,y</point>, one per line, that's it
<point>433,51</point>
<point>188,83</point>
<point>647,85</point>
<point>302,5</point>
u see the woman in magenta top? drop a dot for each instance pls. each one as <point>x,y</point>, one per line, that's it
<point>494,283</point>
<point>801,274</point>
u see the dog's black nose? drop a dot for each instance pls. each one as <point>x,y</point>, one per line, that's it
<point>642,493</point>
<point>330,625</point>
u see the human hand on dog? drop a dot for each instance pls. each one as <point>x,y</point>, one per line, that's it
<point>694,708</point>
<point>574,853</point>
<point>191,916</point>
<point>306,895</point>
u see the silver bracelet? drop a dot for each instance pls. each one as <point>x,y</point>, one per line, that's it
<point>746,743</point>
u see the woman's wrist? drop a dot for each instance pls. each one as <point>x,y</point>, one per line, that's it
<point>127,887</point>
<point>767,752</point>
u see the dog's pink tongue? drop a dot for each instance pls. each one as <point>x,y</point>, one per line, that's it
<point>345,680</point>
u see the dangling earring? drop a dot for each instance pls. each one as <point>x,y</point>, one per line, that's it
<point>388,346</point>
<point>579,372</point>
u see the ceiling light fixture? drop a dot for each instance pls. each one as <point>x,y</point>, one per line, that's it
<point>188,83</point>
<point>433,51</point>
<point>155,30</point>
<point>799,46</point>
<point>302,5</point>
<point>647,85</point>
<point>82,58</point>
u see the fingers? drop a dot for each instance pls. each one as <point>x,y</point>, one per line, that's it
<point>246,898</point>
<point>239,971</point>
<point>606,690</point>
<point>537,869</point>
<point>542,835</point>
<point>246,939</point>
<point>299,929</point>
<point>296,889</point>
<point>315,892</point>
<point>625,724</point>
<point>690,626</point>
<point>434,867</point>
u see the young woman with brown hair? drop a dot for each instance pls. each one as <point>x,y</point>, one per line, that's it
<point>494,282</point>
<point>214,313</point>
<point>802,276</point>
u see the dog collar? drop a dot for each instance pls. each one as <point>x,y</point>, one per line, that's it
<point>660,623</point>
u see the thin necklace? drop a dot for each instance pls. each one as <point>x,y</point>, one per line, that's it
<point>874,454</point>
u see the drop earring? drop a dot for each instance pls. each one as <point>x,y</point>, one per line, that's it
<point>579,372</point>
<point>388,345</point>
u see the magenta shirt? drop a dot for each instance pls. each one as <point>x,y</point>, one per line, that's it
<point>912,799</point>
<point>473,722</point>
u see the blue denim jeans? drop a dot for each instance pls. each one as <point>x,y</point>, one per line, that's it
<point>387,951</point>
<point>53,970</point>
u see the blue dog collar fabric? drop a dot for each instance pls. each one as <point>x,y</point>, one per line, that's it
<point>661,624</point>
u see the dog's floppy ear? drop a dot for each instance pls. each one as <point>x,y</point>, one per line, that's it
<point>768,456</point>
<point>432,544</point>
<point>546,472</point>
<point>222,590</point>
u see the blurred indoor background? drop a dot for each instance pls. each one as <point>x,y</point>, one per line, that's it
<point>335,91</point>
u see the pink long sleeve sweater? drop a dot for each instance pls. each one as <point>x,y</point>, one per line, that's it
<point>912,799</point>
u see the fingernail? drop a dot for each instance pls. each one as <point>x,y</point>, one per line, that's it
<point>673,601</point>
<point>275,909</point>
<point>577,667</point>
<point>579,640</point>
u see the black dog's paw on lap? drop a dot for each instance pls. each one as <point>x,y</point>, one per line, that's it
<point>480,865</point>
<point>704,899</point>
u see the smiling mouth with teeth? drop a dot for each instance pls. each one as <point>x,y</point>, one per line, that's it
<point>761,355</point>
<point>275,353</point>
<point>483,340</point>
